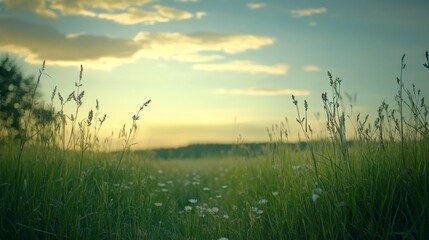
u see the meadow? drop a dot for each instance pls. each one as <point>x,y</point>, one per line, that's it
<point>361,181</point>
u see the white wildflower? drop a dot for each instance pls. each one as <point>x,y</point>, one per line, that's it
<point>213,210</point>
<point>314,197</point>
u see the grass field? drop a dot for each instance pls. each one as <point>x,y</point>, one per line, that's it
<point>373,185</point>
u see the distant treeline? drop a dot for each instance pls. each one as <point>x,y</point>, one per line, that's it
<point>196,151</point>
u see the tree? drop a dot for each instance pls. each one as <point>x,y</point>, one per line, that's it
<point>15,97</point>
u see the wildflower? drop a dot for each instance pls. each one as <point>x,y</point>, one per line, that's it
<point>257,210</point>
<point>224,187</point>
<point>188,208</point>
<point>296,167</point>
<point>161,184</point>
<point>206,189</point>
<point>316,194</point>
<point>218,196</point>
<point>193,200</point>
<point>222,238</point>
<point>213,210</point>
<point>314,197</point>
<point>225,216</point>
<point>158,204</point>
<point>275,193</point>
<point>263,201</point>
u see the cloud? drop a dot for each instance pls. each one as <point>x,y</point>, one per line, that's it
<point>263,92</point>
<point>200,15</point>
<point>308,12</point>
<point>172,13</point>
<point>39,42</point>
<point>137,15</point>
<point>162,45</point>
<point>243,66</point>
<point>134,16</point>
<point>96,4</point>
<point>123,12</point>
<point>38,6</point>
<point>311,68</point>
<point>187,0</point>
<point>196,58</point>
<point>254,6</point>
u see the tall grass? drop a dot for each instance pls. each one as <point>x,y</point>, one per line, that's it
<point>363,181</point>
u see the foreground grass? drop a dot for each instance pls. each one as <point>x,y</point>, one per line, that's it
<point>274,197</point>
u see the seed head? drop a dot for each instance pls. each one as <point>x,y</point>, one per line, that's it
<point>89,120</point>
<point>60,97</point>
<point>145,104</point>
<point>54,93</point>
<point>324,96</point>
<point>80,73</point>
<point>295,102</point>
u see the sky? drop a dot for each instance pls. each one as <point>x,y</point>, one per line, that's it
<point>216,70</point>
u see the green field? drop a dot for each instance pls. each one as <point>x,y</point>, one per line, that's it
<point>371,183</point>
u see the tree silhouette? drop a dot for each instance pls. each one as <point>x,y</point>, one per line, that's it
<point>15,96</point>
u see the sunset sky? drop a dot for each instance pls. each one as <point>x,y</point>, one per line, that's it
<point>216,69</point>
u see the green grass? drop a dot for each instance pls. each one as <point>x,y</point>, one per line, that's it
<point>374,187</point>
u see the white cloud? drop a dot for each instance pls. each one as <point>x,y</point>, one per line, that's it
<point>243,66</point>
<point>124,12</point>
<point>187,0</point>
<point>172,13</point>
<point>39,42</point>
<point>137,15</point>
<point>311,68</point>
<point>263,92</point>
<point>196,58</point>
<point>255,5</point>
<point>200,15</point>
<point>134,16</point>
<point>308,12</point>
<point>160,45</point>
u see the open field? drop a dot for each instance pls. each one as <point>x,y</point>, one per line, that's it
<point>373,196</point>
<point>55,185</point>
